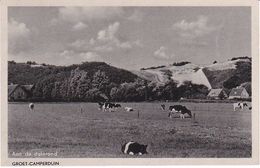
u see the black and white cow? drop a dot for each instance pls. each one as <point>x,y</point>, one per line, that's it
<point>239,105</point>
<point>108,106</point>
<point>129,109</point>
<point>179,109</point>
<point>31,106</point>
<point>117,105</point>
<point>134,148</point>
<point>100,105</point>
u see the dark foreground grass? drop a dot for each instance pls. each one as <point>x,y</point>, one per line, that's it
<point>64,129</point>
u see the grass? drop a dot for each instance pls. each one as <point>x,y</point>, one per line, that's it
<point>217,131</point>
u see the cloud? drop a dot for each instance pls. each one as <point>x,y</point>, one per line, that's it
<point>77,14</point>
<point>106,41</point>
<point>79,26</point>
<point>162,53</point>
<point>194,29</point>
<point>17,30</point>
<point>74,56</point>
<point>89,56</point>
<point>104,48</point>
<point>136,16</point>
<point>79,43</point>
<point>125,45</point>
<point>108,34</point>
<point>18,36</point>
<point>92,41</point>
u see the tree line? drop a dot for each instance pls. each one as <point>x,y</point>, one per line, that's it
<point>81,86</point>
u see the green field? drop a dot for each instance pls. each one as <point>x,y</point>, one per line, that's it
<point>81,130</point>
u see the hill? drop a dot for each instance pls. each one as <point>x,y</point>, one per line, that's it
<point>89,81</point>
<point>227,74</point>
<point>24,73</point>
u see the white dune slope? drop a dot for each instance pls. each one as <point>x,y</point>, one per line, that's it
<point>188,72</point>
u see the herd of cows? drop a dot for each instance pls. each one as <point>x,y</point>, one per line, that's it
<point>135,148</point>
<point>182,111</point>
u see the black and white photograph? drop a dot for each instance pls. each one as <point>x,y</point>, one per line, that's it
<point>129,82</point>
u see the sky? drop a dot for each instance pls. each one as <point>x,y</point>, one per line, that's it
<point>128,37</point>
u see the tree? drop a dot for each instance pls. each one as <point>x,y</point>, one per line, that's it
<point>169,90</point>
<point>232,82</point>
<point>101,81</point>
<point>94,95</point>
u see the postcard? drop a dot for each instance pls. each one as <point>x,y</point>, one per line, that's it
<point>129,82</point>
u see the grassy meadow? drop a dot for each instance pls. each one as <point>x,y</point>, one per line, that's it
<point>81,130</point>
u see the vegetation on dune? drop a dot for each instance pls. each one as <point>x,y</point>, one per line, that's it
<point>217,77</point>
<point>241,75</point>
<point>230,78</point>
<point>181,63</point>
<point>156,67</point>
<point>237,58</point>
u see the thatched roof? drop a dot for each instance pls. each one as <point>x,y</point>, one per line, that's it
<point>236,91</point>
<point>215,92</point>
<point>11,88</point>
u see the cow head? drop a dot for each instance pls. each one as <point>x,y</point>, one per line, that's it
<point>189,112</point>
<point>100,104</point>
<point>144,149</point>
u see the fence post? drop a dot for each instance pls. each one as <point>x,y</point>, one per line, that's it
<point>138,113</point>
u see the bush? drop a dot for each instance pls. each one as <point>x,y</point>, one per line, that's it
<point>236,58</point>
<point>155,67</point>
<point>180,63</point>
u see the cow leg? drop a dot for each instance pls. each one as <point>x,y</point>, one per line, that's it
<point>170,114</point>
<point>181,116</point>
<point>131,153</point>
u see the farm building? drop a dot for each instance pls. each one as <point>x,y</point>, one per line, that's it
<point>239,92</point>
<point>247,86</point>
<point>19,92</point>
<point>217,94</point>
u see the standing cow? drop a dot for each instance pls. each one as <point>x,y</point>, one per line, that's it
<point>239,105</point>
<point>31,106</point>
<point>179,109</point>
<point>108,106</point>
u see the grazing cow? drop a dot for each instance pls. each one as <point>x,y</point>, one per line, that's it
<point>117,105</point>
<point>179,109</point>
<point>163,107</point>
<point>113,106</point>
<point>134,148</point>
<point>31,106</point>
<point>100,104</point>
<point>239,105</point>
<point>103,106</point>
<point>108,106</point>
<point>129,109</point>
